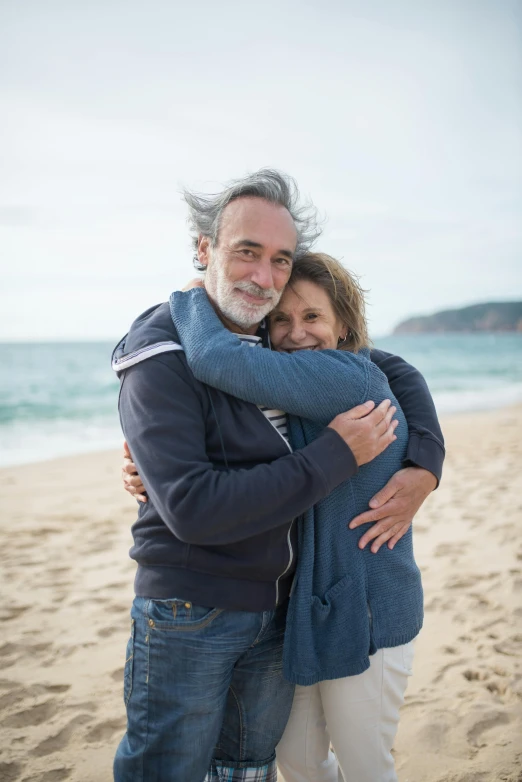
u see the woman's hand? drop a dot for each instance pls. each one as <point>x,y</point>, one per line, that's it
<point>394,507</point>
<point>131,480</point>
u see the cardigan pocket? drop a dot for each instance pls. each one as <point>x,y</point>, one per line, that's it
<point>341,627</point>
<point>325,604</point>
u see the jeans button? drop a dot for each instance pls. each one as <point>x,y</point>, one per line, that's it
<point>188,605</point>
<point>151,622</point>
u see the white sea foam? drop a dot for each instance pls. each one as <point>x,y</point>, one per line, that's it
<point>58,400</point>
<point>478,399</point>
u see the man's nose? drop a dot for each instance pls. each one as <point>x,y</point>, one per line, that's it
<point>262,274</point>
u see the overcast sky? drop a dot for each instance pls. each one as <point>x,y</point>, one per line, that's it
<point>401,119</point>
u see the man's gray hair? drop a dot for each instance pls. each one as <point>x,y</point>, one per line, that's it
<point>268,184</point>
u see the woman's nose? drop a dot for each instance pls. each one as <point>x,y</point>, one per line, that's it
<point>297,332</point>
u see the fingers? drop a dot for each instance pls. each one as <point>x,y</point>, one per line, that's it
<point>361,410</point>
<point>385,494</point>
<point>389,435</point>
<point>384,537</point>
<point>366,517</point>
<point>385,424</point>
<point>133,482</point>
<point>126,451</point>
<point>398,535</point>
<point>379,414</point>
<point>129,467</point>
<point>377,529</point>
<point>388,529</point>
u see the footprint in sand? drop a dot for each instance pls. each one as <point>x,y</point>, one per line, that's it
<point>11,653</point>
<point>487,722</point>
<point>512,647</point>
<point>497,687</point>
<point>12,612</point>
<point>16,694</point>
<point>473,675</point>
<point>53,775</point>
<point>117,675</point>
<point>9,772</point>
<point>61,739</point>
<point>106,632</point>
<point>35,715</point>
<point>105,730</point>
<point>445,668</point>
<point>450,549</point>
<point>488,625</point>
<point>467,776</point>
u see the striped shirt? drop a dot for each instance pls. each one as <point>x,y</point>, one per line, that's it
<point>276,417</point>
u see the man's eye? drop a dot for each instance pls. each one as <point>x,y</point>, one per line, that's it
<point>246,252</point>
<point>283,261</point>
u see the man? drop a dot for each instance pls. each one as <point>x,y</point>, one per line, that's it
<point>215,543</point>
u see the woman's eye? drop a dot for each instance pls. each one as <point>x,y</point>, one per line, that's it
<point>311,316</point>
<point>277,319</point>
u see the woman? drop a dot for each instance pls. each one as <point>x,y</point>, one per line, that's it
<point>352,615</point>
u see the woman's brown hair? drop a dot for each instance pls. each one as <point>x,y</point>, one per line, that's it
<point>344,292</point>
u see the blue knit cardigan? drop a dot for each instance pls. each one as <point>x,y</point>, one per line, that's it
<point>345,603</point>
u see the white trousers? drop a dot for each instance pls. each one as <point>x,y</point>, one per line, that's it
<point>358,715</point>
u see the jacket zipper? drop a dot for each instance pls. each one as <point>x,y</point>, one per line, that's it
<point>288,539</point>
<point>291,551</point>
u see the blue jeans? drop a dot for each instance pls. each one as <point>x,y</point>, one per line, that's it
<point>204,692</point>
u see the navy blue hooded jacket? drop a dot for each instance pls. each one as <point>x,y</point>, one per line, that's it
<point>223,485</point>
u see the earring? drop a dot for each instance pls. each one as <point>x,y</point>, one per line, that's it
<point>341,339</point>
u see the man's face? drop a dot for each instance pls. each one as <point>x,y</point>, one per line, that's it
<point>250,265</point>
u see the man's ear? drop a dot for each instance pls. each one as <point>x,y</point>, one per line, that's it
<point>203,250</point>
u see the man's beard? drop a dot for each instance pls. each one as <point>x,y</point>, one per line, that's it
<point>231,305</point>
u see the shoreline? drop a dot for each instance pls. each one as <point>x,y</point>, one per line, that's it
<point>445,419</point>
<point>69,586</point>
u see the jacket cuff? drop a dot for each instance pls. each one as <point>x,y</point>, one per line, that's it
<point>425,452</point>
<point>333,457</point>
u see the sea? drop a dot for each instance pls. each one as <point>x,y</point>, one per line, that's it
<point>59,399</point>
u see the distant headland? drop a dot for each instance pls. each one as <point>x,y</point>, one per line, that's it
<point>493,316</point>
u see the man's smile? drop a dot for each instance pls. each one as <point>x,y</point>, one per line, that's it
<point>252,299</point>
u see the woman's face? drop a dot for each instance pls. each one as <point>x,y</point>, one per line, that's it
<point>304,319</point>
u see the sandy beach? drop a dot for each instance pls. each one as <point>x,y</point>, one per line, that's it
<point>67,590</point>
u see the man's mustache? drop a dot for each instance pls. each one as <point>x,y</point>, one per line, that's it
<point>255,290</point>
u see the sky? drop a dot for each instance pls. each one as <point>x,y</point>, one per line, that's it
<point>400,120</point>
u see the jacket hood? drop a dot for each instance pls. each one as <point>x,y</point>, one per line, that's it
<point>153,332</point>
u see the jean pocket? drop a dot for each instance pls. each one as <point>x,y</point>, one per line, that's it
<point>181,615</point>
<point>408,652</point>
<point>129,665</point>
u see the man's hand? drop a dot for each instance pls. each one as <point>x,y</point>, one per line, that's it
<point>131,480</point>
<point>366,433</point>
<point>394,507</point>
